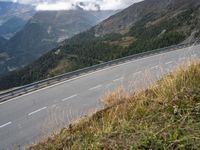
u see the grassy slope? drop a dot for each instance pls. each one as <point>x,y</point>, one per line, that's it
<point>166,116</point>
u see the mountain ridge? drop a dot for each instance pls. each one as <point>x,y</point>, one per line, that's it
<point>123,21</point>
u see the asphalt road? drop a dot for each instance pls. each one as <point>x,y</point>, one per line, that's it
<point>27,119</point>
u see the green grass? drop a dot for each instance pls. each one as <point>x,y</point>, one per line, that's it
<point>166,116</point>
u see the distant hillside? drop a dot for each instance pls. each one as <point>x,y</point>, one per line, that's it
<point>154,24</point>
<point>3,56</point>
<point>13,16</point>
<point>44,31</point>
<point>163,117</point>
<point>12,26</point>
<point>2,41</point>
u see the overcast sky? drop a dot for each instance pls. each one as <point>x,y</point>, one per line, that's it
<point>85,4</point>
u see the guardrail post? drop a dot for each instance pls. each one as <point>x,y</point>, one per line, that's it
<point>36,86</point>
<point>12,93</point>
<point>25,90</point>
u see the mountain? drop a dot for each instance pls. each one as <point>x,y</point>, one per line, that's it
<point>148,9</point>
<point>44,31</point>
<point>2,41</point>
<point>3,56</point>
<point>13,16</point>
<point>144,26</point>
<point>11,26</point>
<point>122,22</point>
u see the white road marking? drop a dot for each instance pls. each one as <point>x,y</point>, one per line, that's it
<point>119,79</point>
<point>34,112</point>
<point>96,87</point>
<point>69,97</point>
<point>183,58</point>
<point>6,124</point>
<point>107,85</point>
<point>155,67</point>
<point>136,73</point>
<point>108,68</point>
<point>53,106</point>
<point>170,62</point>
<point>194,55</point>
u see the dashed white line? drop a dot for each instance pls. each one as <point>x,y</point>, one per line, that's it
<point>194,55</point>
<point>167,63</point>
<point>6,124</point>
<point>119,79</point>
<point>139,72</point>
<point>155,67</point>
<point>183,58</point>
<point>34,112</point>
<point>53,106</point>
<point>73,96</point>
<point>96,87</point>
<point>107,85</point>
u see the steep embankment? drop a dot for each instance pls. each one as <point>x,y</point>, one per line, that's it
<point>142,27</point>
<point>166,116</point>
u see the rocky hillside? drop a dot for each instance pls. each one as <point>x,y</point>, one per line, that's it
<point>149,9</point>
<point>144,26</point>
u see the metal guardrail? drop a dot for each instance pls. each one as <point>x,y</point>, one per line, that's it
<point>51,81</point>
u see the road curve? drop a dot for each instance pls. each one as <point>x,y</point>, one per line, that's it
<point>26,119</point>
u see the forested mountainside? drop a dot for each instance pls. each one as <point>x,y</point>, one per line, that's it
<point>43,33</point>
<point>154,24</point>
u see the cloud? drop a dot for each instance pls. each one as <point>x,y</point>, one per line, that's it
<point>70,5</point>
<point>85,4</point>
<point>54,6</point>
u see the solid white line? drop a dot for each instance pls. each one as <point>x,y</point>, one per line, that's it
<point>119,79</point>
<point>69,97</point>
<point>96,87</point>
<point>167,63</point>
<point>34,112</point>
<point>131,61</point>
<point>6,124</point>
